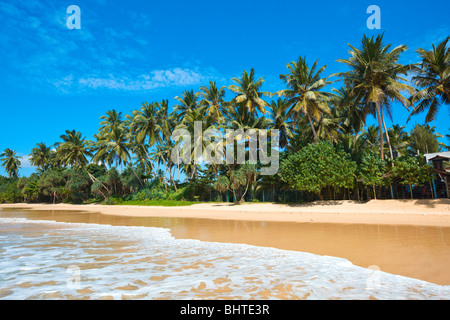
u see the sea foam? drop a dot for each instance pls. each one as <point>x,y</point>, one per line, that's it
<point>58,260</point>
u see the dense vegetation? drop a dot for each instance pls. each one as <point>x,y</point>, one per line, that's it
<point>327,149</point>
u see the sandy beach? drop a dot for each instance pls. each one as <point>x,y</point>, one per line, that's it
<point>397,212</point>
<point>406,238</point>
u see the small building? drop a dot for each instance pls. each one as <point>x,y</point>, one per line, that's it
<point>441,165</point>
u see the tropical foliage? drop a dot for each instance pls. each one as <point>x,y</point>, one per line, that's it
<point>327,148</point>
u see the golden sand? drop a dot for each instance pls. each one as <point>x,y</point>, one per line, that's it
<point>410,238</point>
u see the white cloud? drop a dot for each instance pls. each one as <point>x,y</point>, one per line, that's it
<point>25,161</point>
<point>156,79</point>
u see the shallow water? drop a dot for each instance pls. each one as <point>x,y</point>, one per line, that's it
<point>74,255</point>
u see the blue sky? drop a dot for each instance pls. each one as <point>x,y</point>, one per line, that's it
<point>127,52</point>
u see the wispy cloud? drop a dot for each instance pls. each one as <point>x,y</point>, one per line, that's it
<point>44,55</point>
<point>175,77</point>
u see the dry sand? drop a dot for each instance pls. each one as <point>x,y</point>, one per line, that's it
<point>398,212</point>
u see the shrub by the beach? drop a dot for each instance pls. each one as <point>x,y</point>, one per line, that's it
<point>9,192</point>
<point>412,171</point>
<point>372,169</point>
<point>318,166</point>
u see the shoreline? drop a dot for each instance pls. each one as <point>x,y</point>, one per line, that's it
<point>390,212</point>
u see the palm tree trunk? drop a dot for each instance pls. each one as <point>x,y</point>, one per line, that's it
<point>380,126</point>
<point>316,138</point>
<point>387,136</point>
<point>165,163</point>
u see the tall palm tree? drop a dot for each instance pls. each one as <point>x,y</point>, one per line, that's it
<point>214,98</point>
<point>151,123</point>
<point>74,150</point>
<point>281,120</point>
<point>304,92</point>
<point>11,162</point>
<point>113,148</point>
<point>434,79</point>
<point>42,157</point>
<point>188,101</point>
<point>374,76</point>
<point>247,90</point>
<point>110,121</point>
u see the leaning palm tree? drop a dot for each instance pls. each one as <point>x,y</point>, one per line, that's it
<point>247,90</point>
<point>304,85</point>
<point>11,162</point>
<point>42,157</point>
<point>374,76</point>
<point>434,78</point>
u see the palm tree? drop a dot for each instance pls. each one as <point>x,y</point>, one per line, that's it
<point>74,150</point>
<point>281,120</point>
<point>350,109</point>
<point>304,92</point>
<point>11,162</point>
<point>374,76</point>
<point>214,98</point>
<point>371,137</point>
<point>42,157</point>
<point>247,90</point>
<point>187,102</point>
<point>434,78</point>
<point>399,139</point>
<point>111,120</point>
<point>113,147</point>
<point>151,123</point>
<point>424,139</point>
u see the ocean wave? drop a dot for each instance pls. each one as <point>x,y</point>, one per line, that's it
<point>59,260</point>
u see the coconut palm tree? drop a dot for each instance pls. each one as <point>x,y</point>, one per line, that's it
<point>188,101</point>
<point>110,121</point>
<point>11,162</point>
<point>281,120</point>
<point>374,76</point>
<point>424,139</point>
<point>371,137</point>
<point>399,139</point>
<point>42,157</point>
<point>349,108</point>
<point>214,98</point>
<point>304,92</point>
<point>247,90</point>
<point>74,150</point>
<point>433,77</point>
<point>113,148</point>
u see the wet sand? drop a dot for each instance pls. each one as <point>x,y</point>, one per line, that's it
<point>417,247</point>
